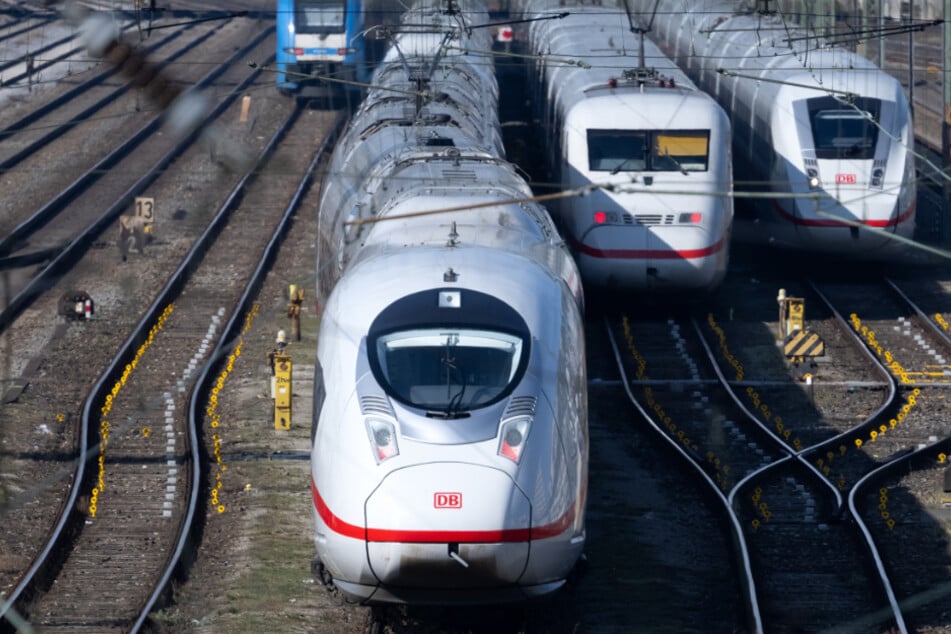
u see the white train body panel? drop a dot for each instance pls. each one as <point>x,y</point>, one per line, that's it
<point>449,463</point>
<point>841,184</point>
<point>659,145</point>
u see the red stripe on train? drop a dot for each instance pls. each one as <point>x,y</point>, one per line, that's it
<point>353,531</point>
<point>817,222</point>
<point>650,254</point>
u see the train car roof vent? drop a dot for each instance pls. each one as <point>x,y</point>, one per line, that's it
<point>439,141</point>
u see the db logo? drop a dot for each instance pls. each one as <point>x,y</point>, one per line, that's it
<point>447,500</point>
<point>845,179</point>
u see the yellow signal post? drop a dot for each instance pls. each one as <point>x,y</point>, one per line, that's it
<point>799,343</point>
<point>792,313</point>
<point>282,392</point>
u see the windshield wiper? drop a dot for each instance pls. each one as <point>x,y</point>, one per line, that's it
<point>454,400</point>
<point>683,170</point>
<point>622,164</point>
<point>447,415</point>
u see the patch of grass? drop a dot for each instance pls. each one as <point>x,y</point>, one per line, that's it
<point>276,575</point>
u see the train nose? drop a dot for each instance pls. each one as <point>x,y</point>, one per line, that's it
<point>456,524</point>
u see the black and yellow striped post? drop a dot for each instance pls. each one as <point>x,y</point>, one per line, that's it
<point>803,343</point>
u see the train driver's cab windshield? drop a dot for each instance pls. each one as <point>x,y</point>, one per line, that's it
<point>449,370</point>
<point>648,150</point>
<point>844,130</point>
<point>320,17</point>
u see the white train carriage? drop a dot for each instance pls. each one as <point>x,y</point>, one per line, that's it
<point>460,117</point>
<point>658,147</point>
<point>824,133</point>
<point>449,461</point>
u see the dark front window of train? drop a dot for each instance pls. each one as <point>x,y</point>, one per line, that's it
<point>320,17</point>
<point>842,130</point>
<point>449,370</point>
<point>648,150</point>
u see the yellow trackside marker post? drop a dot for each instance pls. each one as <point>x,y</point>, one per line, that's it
<point>791,313</point>
<point>245,108</point>
<point>282,392</point>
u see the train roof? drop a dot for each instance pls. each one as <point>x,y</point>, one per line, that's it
<point>592,55</point>
<point>794,60</point>
<point>385,274</point>
<point>748,42</point>
<point>632,110</point>
<point>503,225</point>
<point>423,29</point>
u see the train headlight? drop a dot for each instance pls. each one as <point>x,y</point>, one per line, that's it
<point>812,175</point>
<point>878,177</point>
<point>294,51</point>
<point>512,438</point>
<point>383,439</point>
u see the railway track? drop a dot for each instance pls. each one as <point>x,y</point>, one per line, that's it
<point>29,134</point>
<point>74,218</point>
<point>630,560</point>
<point>894,469</point>
<point>38,474</point>
<point>779,508</point>
<point>145,462</point>
<point>671,393</point>
<point>798,453</point>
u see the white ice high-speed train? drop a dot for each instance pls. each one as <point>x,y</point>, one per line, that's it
<point>628,119</point>
<point>450,448</point>
<point>823,133</point>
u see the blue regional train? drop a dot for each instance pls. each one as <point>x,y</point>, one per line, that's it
<point>321,38</point>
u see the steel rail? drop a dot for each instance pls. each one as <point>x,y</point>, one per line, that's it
<point>59,540</point>
<point>61,129</point>
<point>225,344</point>
<point>870,420</point>
<point>48,276</point>
<point>81,184</point>
<point>754,618</point>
